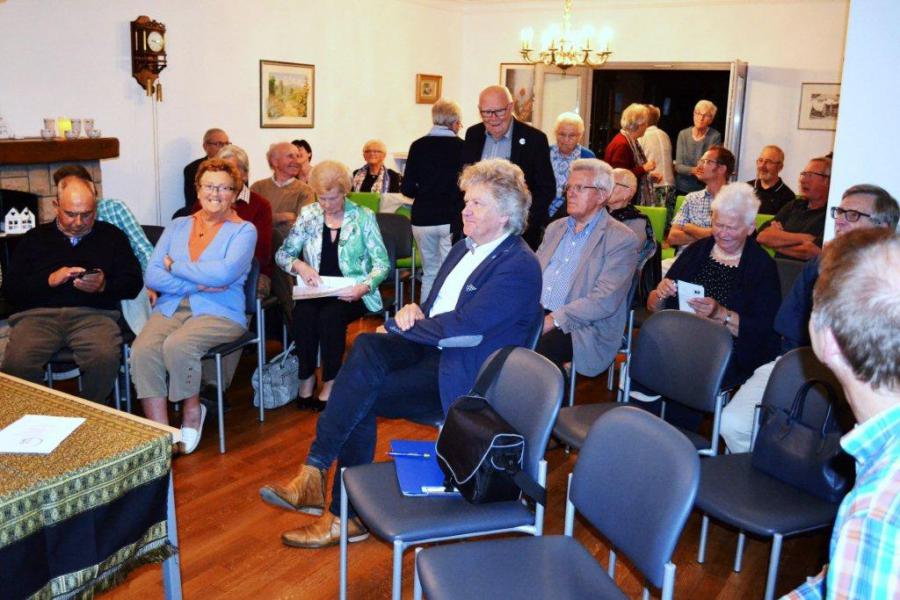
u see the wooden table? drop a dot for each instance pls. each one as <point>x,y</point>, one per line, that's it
<point>81,518</point>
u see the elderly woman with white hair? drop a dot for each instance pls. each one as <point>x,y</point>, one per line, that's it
<point>567,149</point>
<point>739,279</point>
<point>374,176</point>
<point>692,143</point>
<point>432,169</point>
<point>624,152</point>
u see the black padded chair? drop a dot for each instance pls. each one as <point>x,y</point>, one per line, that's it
<point>733,492</point>
<point>255,335</point>
<point>153,232</point>
<point>396,232</point>
<point>679,356</point>
<point>788,271</point>
<point>527,393</point>
<point>635,482</point>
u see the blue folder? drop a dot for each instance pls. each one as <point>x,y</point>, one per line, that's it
<point>419,475</point>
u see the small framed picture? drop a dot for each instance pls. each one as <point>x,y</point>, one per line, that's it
<point>819,103</point>
<point>518,78</point>
<point>287,93</point>
<point>428,88</point>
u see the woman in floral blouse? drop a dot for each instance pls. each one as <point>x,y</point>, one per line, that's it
<point>331,237</point>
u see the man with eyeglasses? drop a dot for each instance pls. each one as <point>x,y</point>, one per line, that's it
<point>500,135</point>
<point>797,229</point>
<point>588,261</point>
<point>862,206</point>
<point>772,192</point>
<point>213,140</point>
<point>66,280</point>
<point>694,220</point>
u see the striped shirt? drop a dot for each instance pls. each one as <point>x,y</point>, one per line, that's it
<point>865,545</point>
<point>560,271</point>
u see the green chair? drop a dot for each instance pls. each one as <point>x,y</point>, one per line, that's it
<point>371,200</point>
<point>679,201</point>
<point>762,219</point>
<point>410,263</point>
<point>657,217</point>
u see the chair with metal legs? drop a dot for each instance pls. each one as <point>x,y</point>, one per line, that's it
<point>527,393</point>
<point>635,482</point>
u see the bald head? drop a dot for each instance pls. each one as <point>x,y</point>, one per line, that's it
<point>495,107</point>
<point>76,207</point>
<point>624,189</point>
<point>284,158</point>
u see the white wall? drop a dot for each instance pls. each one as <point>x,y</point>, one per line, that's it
<point>73,58</point>
<point>785,43</point>
<point>868,130</point>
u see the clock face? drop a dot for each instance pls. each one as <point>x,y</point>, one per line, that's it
<point>156,41</point>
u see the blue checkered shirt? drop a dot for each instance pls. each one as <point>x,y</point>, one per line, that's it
<point>557,280</point>
<point>696,209</point>
<point>115,212</point>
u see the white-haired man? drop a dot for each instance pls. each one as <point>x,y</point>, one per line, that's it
<point>283,190</point>
<point>567,149</point>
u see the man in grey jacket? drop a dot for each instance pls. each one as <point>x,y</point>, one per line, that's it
<point>588,260</point>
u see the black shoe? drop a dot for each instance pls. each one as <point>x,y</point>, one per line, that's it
<point>310,403</point>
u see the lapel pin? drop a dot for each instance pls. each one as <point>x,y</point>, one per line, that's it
<point>521,141</point>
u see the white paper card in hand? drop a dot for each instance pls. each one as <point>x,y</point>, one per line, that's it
<point>37,434</point>
<point>330,286</point>
<point>686,291</point>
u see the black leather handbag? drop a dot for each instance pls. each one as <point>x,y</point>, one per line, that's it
<point>805,457</point>
<point>481,454</point>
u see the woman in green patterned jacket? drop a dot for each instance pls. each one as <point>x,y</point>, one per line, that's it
<point>332,237</point>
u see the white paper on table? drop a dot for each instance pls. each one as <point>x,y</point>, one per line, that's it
<point>686,291</point>
<point>330,286</point>
<point>37,434</point>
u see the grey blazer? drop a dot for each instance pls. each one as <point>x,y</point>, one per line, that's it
<point>595,310</point>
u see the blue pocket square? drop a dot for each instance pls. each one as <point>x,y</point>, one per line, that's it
<point>471,288</point>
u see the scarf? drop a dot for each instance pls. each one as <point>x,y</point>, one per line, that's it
<point>382,182</point>
<point>644,194</point>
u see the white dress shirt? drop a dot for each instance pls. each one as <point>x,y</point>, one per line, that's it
<point>448,295</point>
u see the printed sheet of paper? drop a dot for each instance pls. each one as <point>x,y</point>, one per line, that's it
<point>330,286</point>
<point>37,434</point>
<point>686,291</point>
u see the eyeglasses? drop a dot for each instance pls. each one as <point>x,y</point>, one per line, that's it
<point>498,112</point>
<point>371,151</point>
<point>767,162</point>
<point>578,188</point>
<point>622,185</point>
<point>216,144</point>
<point>811,173</point>
<point>852,216</point>
<point>702,114</point>
<point>705,161</point>
<point>216,189</point>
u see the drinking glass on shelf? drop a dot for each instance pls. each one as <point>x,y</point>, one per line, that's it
<point>51,125</point>
<point>76,127</point>
<point>88,126</point>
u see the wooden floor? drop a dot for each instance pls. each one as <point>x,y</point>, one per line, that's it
<point>230,541</point>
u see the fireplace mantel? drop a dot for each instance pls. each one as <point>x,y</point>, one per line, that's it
<point>31,151</point>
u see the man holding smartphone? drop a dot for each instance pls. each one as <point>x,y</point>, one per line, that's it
<point>66,280</point>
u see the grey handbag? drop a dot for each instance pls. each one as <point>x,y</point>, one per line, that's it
<point>279,380</point>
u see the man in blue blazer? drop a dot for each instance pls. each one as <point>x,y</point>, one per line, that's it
<point>486,296</point>
<point>500,135</point>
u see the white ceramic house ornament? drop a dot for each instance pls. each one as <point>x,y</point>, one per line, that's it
<point>11,221</point>
<point>26,220</point>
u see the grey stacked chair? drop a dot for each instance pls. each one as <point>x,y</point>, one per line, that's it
<point>679,356</point>
<point>788,271</point>
<point>733,492</point>
<point>527,393</point>
<point>396,232</point>
<point>254,336</point>
<point>635,482</point>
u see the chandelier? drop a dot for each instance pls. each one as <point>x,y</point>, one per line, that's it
<point>561,49</point>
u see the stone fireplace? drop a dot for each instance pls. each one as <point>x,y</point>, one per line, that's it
<point>27,165</point>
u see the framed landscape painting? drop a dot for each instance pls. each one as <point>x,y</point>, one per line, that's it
<point>287,93</point>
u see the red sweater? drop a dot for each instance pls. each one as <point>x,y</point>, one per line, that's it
<point>618,155</point>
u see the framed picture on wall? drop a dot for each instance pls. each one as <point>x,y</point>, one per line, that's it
<point>819,103</point>
<point>428,88</point>
<point>287,93</point>
<point>519,80</point>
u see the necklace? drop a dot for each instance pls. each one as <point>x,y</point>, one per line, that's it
<point>723,257</point>
<point>202,227</point>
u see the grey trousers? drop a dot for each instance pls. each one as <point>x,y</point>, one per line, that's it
<point>174,345</point>
<point>92,334</point>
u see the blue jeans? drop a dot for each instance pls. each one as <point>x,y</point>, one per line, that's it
<point>384,376</point>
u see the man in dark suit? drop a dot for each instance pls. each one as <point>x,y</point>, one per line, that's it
<point>213,140</point>
<point>486,296</point>
<point>499,135</point>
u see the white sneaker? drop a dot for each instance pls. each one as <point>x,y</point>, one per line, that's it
<point>190,437</point>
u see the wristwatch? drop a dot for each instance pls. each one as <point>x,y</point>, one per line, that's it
<point>556,323</point>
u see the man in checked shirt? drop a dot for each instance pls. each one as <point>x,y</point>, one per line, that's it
<point>854,329</point>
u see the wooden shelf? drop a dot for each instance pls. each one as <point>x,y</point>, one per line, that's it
<point>29,151</point>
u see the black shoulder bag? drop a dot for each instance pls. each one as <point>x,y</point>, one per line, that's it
<point>481,454</point>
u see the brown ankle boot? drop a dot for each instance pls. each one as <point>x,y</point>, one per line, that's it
<point>325,531</point>
<point>305,492</point>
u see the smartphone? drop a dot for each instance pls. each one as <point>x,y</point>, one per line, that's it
<point>87,272</point>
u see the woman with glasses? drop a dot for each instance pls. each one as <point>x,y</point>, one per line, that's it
<point>624,152</point>
<point>198,268</point>
<point>332,237</point>
<point>374,176</point>
<point>741,290</point>
<point>692,143</point>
